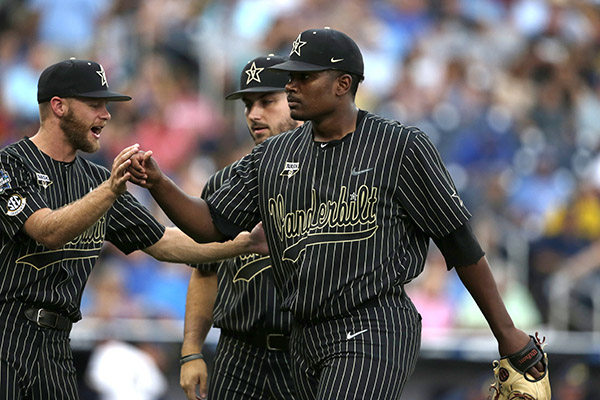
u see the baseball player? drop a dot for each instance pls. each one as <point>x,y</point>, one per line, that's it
<point>57,211</point>
<point>349,202</point>
<point>252,359</point>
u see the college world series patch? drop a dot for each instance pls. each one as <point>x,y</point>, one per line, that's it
<point>4,181</point>
<point>43,180</point>
<point>15,205</point>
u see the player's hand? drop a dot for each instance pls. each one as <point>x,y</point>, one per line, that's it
<point>194,374</point>
<point>514,342</point>
<point>255,241</point>
<point>144,170</point>
<point>119,174</point>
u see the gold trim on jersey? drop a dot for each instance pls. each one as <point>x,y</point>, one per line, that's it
<point>293,252</point>
<point>44,259</point>
<point>251,269</point>
<point>94,235</point>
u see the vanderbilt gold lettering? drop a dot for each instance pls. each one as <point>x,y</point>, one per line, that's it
<point>358,209</point>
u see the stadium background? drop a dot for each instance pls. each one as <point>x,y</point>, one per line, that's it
<point>507,89</point>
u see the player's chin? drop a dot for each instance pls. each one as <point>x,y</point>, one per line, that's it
<point>92,145</point>
<point>297,114</point>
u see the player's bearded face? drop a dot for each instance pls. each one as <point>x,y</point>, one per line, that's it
<point>78,131</point>
<point>267,114</point>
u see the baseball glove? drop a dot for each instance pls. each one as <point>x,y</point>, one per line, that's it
<point>512,381</point>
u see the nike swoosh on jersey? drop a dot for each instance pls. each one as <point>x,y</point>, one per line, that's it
<point>354,172</point>
<point>350,335</point>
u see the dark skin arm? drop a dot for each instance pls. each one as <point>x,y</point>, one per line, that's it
<point>479,281</point>
<point>189,213</point>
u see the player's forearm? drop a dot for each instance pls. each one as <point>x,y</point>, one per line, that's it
<point>480,283</point>
<point>55,228</point>
<point>200,300</point>
<point>189,213</point>
<point>175,246</point>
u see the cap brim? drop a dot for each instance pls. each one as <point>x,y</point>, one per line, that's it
<point>256,89</point>
<point>298,66</point>
<point>105,94</point>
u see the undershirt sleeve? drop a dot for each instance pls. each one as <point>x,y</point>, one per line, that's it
<point>460,248</point>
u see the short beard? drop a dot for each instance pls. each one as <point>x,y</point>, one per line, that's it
<point>76,132</point>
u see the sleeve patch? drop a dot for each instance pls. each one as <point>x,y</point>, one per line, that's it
<point>4,181</point>
<point>43,180</point>
<point>15,205</point>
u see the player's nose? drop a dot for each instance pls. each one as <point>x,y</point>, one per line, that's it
<point>254,112</point>
<point>290,86</point>
<point>106,115</point>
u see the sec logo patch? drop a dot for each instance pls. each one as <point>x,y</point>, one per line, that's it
<point>15,205</point>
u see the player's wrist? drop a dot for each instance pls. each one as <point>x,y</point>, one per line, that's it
<point>243,241</point>
<point>190,357</point>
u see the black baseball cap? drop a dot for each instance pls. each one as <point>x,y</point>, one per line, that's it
<point>322,49</point>
<point>257,78</point>
<point>76,78</point>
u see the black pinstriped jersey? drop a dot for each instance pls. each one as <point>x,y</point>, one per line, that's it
<point>33,274</point>
<point>346,220</point>
<point>246,298</point>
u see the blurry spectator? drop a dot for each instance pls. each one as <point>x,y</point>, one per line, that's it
<point>429,293</point>
<point>19,83</point>
<point>533,194</point>
<point>569,230</point>
<point>176,120</point>
<point>68,26</point>
<point>108,296</point>
<point>516,296</point>
<point>121,371</point>
<point>576,383</point>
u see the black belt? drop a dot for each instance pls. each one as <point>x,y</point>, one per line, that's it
<point>48,319</point>
<point>269,341</point>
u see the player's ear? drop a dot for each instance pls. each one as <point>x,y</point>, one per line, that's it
<point>59,106</point>
<point>343,84</point>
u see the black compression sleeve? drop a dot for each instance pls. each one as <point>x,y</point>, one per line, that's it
<point>460,248</point>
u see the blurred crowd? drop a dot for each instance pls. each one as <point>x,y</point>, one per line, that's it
<point>509,91</point>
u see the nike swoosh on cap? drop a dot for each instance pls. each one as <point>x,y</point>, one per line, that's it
<point>336,60</point>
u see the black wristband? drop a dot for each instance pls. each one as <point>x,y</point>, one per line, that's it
<point>190,357</point>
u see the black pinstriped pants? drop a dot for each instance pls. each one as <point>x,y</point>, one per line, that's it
<point>35,363</point>
<point>243,371</point>
<point>368,355</point>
